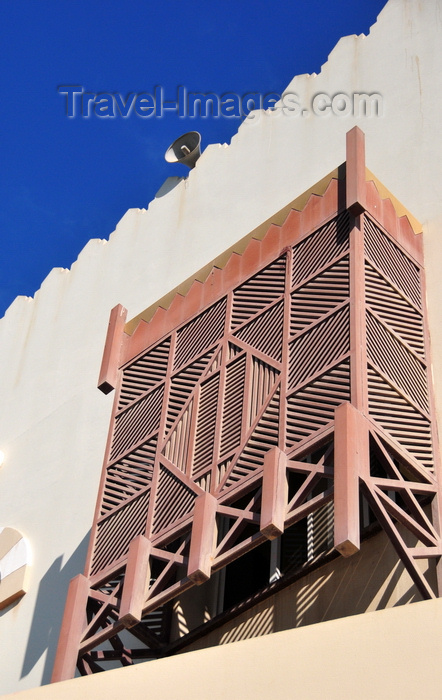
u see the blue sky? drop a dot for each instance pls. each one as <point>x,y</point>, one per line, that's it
<point>66,180</point>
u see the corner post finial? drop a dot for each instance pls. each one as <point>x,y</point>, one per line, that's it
<point>355,171</point>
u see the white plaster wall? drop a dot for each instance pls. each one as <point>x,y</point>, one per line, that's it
<point>53,422</point>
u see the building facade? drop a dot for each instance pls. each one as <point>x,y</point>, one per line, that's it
<point>55,423</point>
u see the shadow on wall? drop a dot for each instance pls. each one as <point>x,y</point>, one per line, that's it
<point>48,612</point>
<point>372,579</point>
<point>168,185</point>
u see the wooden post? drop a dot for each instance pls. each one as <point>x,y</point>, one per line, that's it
<point>203,538</point>
<point>355,171</point>
<point>351,460</point>
<point>72,627</point>
<point>136,581</point>
<point>274,493</point>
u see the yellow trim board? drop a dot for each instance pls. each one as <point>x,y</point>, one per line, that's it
<point>398,206</point>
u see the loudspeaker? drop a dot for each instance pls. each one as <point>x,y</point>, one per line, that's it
<point>185,149</point>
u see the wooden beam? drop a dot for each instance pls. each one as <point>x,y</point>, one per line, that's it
<point>406,555</point>
<point>408,521</point>
<point>112,350</point>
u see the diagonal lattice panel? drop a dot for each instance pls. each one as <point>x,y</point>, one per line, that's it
<point>386,460</point>
<point>263,436</point>
<point>319,346</point>
<point>395,311</point>
<point>393,262</point>
<point>206,424</point>
<point>265,332</point>
<point>233,406</point>
<point>144,373</point>
<point>262,381</point>
<point>216,362</point>
<point>136,422</point>
<point>400,418</point>
<point>129,475</point>
<point>312,407</point>
<point>200,333</point>
<point>173,500</point>
<point>259,291</point>
<point>182,384</point>
<point>320,248</point>
<point>115,533</point>
<point>176,449</point>
<point>397,362</point>
<point>320,295</point>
